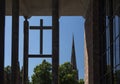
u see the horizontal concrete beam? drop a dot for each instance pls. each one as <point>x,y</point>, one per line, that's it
<point>44,7</point>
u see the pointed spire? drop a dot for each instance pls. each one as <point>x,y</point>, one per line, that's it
<point>73,59</point>
<point>73,56</point>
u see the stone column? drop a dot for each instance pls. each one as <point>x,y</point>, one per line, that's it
<point>119,38</point>
<point>2,32</point>
<point>96,42</point>
<point>15,39</point>
<point>55,40</point>
<point>110,17</point>
<point>102,40</point>
<point>18,73</point>
<point>93,21</point>
<point>26,44</point>
<point>88,48</point>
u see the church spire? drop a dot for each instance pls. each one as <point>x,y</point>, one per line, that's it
<point>73,58</point>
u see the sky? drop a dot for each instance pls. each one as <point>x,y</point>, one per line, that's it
<point>69,27</point>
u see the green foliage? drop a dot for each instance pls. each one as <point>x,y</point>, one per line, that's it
<point>42,74</point>
<point>7,74</point>
<point>7,69</point>
<point>117,77</point>
<point>81,81</point>
<point>66,74</point>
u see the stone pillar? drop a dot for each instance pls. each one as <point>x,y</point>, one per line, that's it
<point>55,40</point>
<point>92,41</point>
<point>2,33</point>
<point>110,17</point>
<point>15,39</point>
<point>96,42</point>
<point>5,78</point>
<point>18,73</point>
<point>119,38</point>
<point>26,44</point>
<point>102,41</point>
<point>88,48</point>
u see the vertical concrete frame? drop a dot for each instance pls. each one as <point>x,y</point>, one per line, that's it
<point>55,40</point>
<point>15,40</point>
<point>2,34</point>
<point>26,47</point>
<point>111,40</point>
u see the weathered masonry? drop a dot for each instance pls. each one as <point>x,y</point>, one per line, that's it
<point>102,35</point>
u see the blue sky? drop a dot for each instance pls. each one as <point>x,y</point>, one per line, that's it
<point>69,27</point>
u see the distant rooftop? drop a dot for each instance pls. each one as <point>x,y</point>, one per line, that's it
<point>44,7</point>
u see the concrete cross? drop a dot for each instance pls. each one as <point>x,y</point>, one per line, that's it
<point>41,28</point>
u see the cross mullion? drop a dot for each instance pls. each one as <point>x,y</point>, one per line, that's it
<point>41,28</point>
<point>41,37</point>
<point>39,56</point>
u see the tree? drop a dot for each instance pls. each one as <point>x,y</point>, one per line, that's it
<point>67,74</point>
<point>42,73</point>
<point>117,77</point>
<point>81,81</point>
<point>7,75</point>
